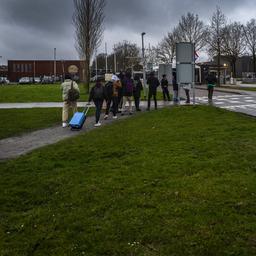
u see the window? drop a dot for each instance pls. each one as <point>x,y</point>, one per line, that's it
<point>18,67</point>
<point>26,68</point>
<point>29,67</point>
<point>21,68</point>
<point>14,68</point>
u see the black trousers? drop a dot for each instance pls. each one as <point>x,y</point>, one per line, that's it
<point>98,105</point>
<point>166,94</point>
<point>137,102</point>
<point>150,94</point>
<point>114,101</point>
<point>187,95</point>
<point>210,92</point>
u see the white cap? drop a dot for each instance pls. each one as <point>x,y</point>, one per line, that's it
<point>115,78</point>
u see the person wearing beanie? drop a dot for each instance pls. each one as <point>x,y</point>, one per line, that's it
<point>128,86</point>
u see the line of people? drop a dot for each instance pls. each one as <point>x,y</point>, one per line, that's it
<point>116,93</point>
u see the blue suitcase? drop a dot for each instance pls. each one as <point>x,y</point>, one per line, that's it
<point>78,119</point>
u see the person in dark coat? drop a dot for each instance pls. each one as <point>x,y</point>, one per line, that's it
<point>128,85</point>
<point>112,88</point>
<point>97,94</point>
<point>211,82</point>
<point>175,88</point>
<point>153,83</point>
<point>164,85</point>
<point>137,92</point>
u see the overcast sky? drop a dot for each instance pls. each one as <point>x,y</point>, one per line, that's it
<point>30,29</point>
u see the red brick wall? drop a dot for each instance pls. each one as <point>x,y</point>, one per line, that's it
<point>37,68</point>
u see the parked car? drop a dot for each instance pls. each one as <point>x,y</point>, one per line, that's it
<point>47,80</point>
<point>4,80</point>
<point>37,80</point>
<point>25,80</point>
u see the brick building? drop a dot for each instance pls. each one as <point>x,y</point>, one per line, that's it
<point>40,68</point>
<point>3,71</point>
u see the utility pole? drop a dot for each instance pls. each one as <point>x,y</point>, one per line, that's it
<point>106,58</point>
<point>54,57</point>
<point>96,64</point>
<point>143,59</point>
<point>115,58</point>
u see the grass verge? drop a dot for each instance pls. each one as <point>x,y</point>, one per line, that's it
<point>169,182</point>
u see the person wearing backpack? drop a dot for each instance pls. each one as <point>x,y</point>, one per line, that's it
<point>70,95</point>
<point>153,83</point>
<point>164,85</point>
<point>112,88</point>
<point>97,94</point>
<point>137,92</point>
<point>128,85</point>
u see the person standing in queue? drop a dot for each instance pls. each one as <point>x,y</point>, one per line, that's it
<point>137,92</point>
<point>153,83</point>
<point>164,85</point>
<point>211,82</point>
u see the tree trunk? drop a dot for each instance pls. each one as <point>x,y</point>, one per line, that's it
<point>87,74</point>
<point>254,60</point>
<point>218,63</point>
<point>234,67</point>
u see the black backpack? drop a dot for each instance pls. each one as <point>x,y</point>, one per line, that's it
<point>98,92</point>
<point>73,94</point>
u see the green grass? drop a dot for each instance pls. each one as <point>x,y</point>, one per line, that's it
<point>18,121</point>
<point>41,93</point>
<point>168,182</point>
<point>35,93</point>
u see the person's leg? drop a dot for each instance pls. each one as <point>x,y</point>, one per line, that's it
<point>130,104</point>
<point>108,107</point>
<point>187,95</point>
<point>124,103</point>
<point>136,102</point>
<point>65,112</point>
<point>149,99</point>
<point>74,107</point>
<point>97,111</point>
<point>164,97</point>
<point>154,95</point>
<point>115,105</point>
<point>168,94</point>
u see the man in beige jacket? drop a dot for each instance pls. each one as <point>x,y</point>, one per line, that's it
<point>65,87</point>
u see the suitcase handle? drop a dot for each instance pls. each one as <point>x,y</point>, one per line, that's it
<point>86,109</point>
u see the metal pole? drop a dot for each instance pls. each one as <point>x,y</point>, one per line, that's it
<point>193,75</point>
<point>115,58</point>
<point>106,58</point>
<point>54,71</point>
<point>34,70</point>
<point>96,64</point>
<point>143,59</point>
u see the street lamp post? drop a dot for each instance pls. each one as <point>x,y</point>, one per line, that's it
<point>143,59</point>
<point>225,68</point>
<point>54,57</point>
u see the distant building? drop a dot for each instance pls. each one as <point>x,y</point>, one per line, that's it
<point>40,68</point>
<point>3,71</point>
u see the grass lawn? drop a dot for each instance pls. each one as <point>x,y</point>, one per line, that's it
<point>35,93</point>
<point>167,182</point>
<point>41,93</point>
<point>18,121</point>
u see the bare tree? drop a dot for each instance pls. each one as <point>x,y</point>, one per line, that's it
<point>250,36</point>
<point>191,29</point>
<point>166,49</point>
<point>88,19</point>
<point>127,55</point>
<point>214,36</point>
<point>233,43</point>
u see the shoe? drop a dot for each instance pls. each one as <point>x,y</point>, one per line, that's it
<point>64,125</point>
<point>130,113</point>
<point>122,114</point>
<point>138,109</point>
<point>148,109</point>
<point>114,117</point>
<point>97,124</point>
<point>106,117</point>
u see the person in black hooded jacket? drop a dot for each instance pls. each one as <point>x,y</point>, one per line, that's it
<point>153,83</point>
<point>137,92</point>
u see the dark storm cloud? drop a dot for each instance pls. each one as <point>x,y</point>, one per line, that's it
<point>32,28</point>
